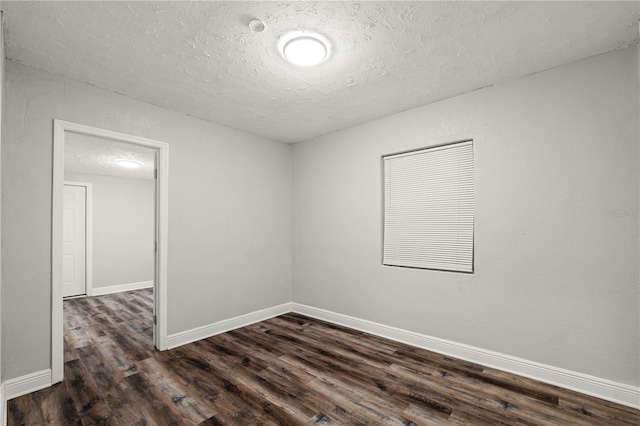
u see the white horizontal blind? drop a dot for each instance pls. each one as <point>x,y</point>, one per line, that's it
<point>428,208</point>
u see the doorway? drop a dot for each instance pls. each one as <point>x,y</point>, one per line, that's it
<point>66,132</point>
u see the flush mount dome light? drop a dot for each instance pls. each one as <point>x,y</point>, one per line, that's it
<point>305,49</point>
<point>129,164</point>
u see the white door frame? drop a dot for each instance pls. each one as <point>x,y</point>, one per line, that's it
<point>88,253</point>
<point>162,192</point>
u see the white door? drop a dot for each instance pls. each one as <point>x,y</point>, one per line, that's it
<point>74,241</point>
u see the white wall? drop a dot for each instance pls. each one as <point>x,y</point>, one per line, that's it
<point>557,277</point>
<point>229,210</point>
<point>123,229</point>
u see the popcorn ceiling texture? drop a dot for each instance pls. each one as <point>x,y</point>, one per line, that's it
<point>202,59</point>
<point>93,155</point>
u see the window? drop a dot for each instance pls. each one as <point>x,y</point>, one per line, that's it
<point>428,208</point>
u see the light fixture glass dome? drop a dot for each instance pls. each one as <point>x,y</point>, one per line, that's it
<point>305,50</point>
<point>129,164</point>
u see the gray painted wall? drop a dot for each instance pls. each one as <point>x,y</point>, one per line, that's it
<point>123,229</point>
<point>556,276</point>
<point>229,210</point>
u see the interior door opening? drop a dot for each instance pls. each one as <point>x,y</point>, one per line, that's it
<point>109,223</point>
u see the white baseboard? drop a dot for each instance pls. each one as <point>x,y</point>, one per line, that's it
<point>601,388</point>
<point>28,383</point>
<point>99,291</point>
<point>184,337</point>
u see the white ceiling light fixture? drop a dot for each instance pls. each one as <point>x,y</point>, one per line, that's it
<point>305,49</point>
<point>129,164</point>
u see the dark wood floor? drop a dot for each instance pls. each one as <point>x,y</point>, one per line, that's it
<point>288,370</point>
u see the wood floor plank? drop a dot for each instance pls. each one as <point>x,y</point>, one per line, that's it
<point>240,397</point>
<point>58,408</point>
<point>353,405</point>
<point>101,373</point>
<point>290,411</point>
<point>189,369</point>
<point>334,334</point>
<point>343,349</point>
<point>288,370</point>
<point>518,405</point>
<point>474,405</point>
<point>418,415</point>
<point>70,352</point>
<point>127,410</point>
<point>194,407</point>
<point>162,409</point>
<point>87,397</point>
<point>287,392</point>
<point>213,421</point>
<point>25,411</point>
<point>355,374</point>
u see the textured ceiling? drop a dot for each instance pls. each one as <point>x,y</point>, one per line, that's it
<point>201,58</point>
<point>93,155</point>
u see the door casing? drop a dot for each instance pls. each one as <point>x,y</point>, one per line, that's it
<point>60,127</point>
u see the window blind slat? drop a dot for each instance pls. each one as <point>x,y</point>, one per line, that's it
<point>429,208</point>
